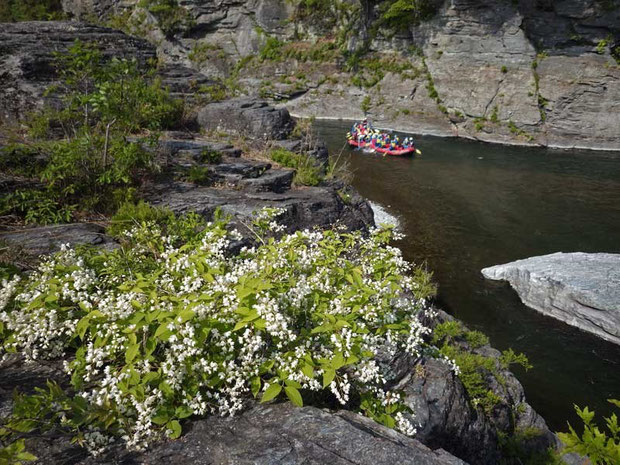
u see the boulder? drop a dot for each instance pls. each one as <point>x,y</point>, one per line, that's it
<point>581,289</point>
<point>309,207</point>
<point>247,117</point>
<point>445,416</point>
<point>276,434</point>
<point>48,239</point>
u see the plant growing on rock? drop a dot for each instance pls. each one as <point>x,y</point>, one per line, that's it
<point>452,339</point>
<point>307,173</point>
<point>401,14</point>
<point>30,10</point>
<point>171,326</point>
<point>82,148</point>
<point>602,448</point>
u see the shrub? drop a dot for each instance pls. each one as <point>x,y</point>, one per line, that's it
<point>130,215</point>
<point>22,159</point>
<point>509,357</point>
<point>602,448</point>
<point>102,101</point>
<point>212,157</point>
<point>198,174</point>
<point>272,50</point>
<point>172,17</point>
<point>476,339</point>
<point>473,368</point>
<point>366,103</point>
<point>30,10</point>
<point>38,207</point>
<point>307,173</point>
<point>161,329</point>
<point>401,14</point>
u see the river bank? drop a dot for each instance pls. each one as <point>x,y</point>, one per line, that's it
<point>424,129</point>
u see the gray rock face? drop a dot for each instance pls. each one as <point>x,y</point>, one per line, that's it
<point>47,239</point>
<point>445,416</point>
<point>309,207</point>
<point>580,289</point>
<point>277,434</point>
<point>480,56</point>
<point>27,62</point>
<point>27,58</point>
<point>250,117</point>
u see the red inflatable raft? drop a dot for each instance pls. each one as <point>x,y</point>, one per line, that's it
<point>403,152</point>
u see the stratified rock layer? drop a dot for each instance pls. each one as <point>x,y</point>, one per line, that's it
<point>278,434</point>
<point>581,289</point>
<point>249,117</point>
<point>48,239</point>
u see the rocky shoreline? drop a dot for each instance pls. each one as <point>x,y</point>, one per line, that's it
<point>442,133</point>
<point>452,429</point>
<point>529,73</point>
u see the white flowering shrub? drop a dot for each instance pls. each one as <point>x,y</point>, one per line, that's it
<point>161,330</point>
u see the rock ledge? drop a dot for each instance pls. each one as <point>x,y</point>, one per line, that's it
<point>581,289</point>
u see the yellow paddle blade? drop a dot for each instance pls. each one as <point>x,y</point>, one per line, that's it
<point>418,152</point>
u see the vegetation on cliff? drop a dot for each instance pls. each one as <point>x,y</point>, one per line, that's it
<point>171,326</point>
<point>79,149</point>
<point>30,10</point>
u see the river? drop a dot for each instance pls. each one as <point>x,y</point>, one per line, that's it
<point>466,205</point>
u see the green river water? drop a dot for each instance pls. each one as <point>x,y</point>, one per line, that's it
<point>466,205</point>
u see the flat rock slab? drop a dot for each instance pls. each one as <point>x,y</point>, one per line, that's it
<point>278,434</point>
<point>48,239</point>
<point>581,289</point>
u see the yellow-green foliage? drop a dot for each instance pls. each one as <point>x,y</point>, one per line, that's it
<point>600,446</point>
<point>307,173</point>
<point>474,368</point>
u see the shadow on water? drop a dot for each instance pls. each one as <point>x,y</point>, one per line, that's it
<point>466,205</point>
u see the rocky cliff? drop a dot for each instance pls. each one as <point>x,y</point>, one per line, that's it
<point>444,410</point>
<point>524,72</point>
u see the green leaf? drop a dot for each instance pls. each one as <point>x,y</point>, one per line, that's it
<point>271,393</point>
<point>338,361</point>
<point>27,456</point>
<point>131,353</point>
<point>290,382</point>
<point>294,396</point>
<point>183,411</point>
<point>162,328</point>
<point>186,315</point>
<point>240,324</point>
<point>255,385</point>
<point>328,377</point>
<point>161,417</point>
<point>308,370</point>
<point>176,429</point>
<point>82,326</point>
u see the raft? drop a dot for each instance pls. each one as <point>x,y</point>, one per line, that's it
<point>403,152</point>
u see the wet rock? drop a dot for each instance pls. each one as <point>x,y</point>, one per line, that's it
<point>48,239</point>
<point>581,289</point>
<point>248,117</point>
